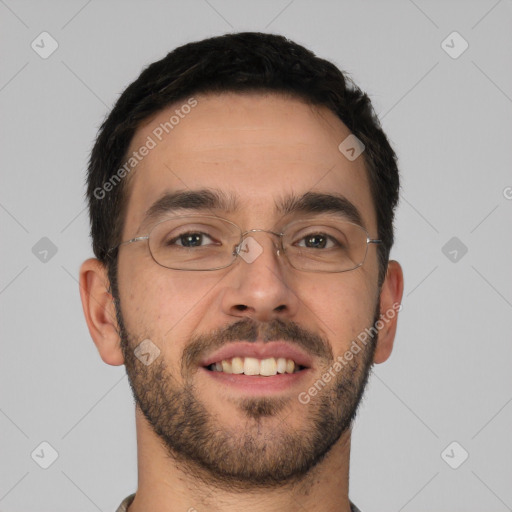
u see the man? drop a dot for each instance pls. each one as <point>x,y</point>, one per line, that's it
<point>242,196</point>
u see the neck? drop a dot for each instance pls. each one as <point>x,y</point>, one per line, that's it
<point>166,485</point>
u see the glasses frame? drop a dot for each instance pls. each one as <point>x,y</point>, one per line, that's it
<point>237,247</point>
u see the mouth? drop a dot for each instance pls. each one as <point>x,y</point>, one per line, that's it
<point>267,367</point>
<point>257,368</point>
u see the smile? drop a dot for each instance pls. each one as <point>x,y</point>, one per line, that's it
<point>253,366</point>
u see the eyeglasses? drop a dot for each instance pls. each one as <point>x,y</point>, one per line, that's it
<point>204,242</point>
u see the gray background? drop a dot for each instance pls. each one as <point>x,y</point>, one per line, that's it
<point>449,119</point>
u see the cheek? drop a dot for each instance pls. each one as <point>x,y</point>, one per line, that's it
<point>161,304</point>
<point>344,307</point>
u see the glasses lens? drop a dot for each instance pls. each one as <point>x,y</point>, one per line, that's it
<point>325,245</point>
<point>194,243</point>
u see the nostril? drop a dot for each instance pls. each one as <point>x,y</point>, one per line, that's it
<point>241,307</point>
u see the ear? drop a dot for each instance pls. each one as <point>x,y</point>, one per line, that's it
<point>390,300</point>
<point>99,310</point>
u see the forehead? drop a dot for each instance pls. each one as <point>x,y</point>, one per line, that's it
<point>260,150</point>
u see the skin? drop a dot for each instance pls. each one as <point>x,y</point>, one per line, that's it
<point>258,147</point>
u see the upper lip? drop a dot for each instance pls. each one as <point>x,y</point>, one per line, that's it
<point>259,350</point>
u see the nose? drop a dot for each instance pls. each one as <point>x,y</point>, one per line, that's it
<point>260,283</point>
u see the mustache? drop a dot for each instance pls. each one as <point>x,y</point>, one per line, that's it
<point>252,331</point>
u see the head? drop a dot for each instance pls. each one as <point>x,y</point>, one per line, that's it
<point>246,127</point>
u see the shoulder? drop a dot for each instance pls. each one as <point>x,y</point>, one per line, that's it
<point>126,503</point>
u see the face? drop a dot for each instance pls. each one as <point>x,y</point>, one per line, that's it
<point>246,430</point>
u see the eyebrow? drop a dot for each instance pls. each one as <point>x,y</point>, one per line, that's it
<point>320,202</point>
<point>184,201</point>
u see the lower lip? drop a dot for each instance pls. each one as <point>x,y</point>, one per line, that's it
<point>258,385</point>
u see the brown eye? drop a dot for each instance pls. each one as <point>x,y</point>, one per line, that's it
<point>189,239</point>
<point>317,241</point>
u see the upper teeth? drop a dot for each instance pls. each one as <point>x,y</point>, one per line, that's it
<point>253,366</point>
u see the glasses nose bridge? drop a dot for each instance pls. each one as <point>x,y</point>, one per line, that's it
<point>261,230</point>
<point>279,235</point>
